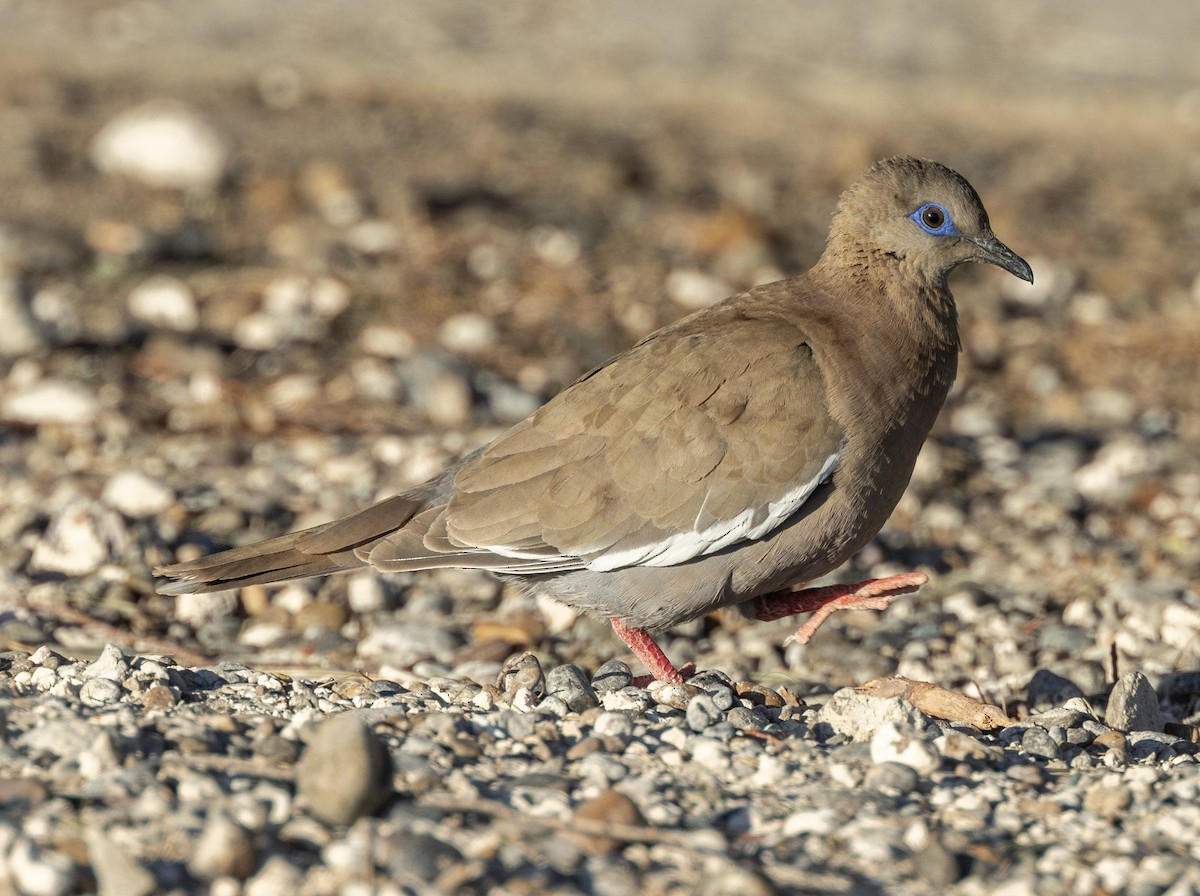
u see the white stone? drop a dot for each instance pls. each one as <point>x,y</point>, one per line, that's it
<point>892,743</point>
<point>198,609</point>
<point>387,342</point>
<point>38,872</point>
<point>364,593</point>
<point>164,302</point>
<point>810,821</point>
<point>162,144</point>
<point>860,716</point>
<point>555,246</point>
<point>79,539</point>
<point>135,494</point>
<point>51,402</point>
<point>468,333</point>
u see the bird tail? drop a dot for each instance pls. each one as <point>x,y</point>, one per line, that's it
<point>321,550</point>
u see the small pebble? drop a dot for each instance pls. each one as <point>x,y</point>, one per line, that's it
<point>893,744</point>
<point>162,144</point>
<point>1133,705</point>
<point>702,711</point>
<point>223,849</point>
<point>571,685</point>
<point>892,777</point>
<point>612,676</point>
<point>344,771</point>
<point>1037,742</point>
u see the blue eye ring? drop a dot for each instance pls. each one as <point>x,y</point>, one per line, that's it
<point>935,220</point>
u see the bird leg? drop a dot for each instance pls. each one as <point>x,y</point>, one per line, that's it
<point>873,594</point>
<point>644,648</point>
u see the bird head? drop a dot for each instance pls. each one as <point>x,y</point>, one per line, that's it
<point>922,215</point>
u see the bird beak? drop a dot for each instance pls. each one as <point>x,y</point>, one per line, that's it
<point>995,252</point>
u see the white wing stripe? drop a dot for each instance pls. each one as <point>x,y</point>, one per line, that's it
<point>750,524</point>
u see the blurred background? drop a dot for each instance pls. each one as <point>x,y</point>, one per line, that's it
<point>263,263</point>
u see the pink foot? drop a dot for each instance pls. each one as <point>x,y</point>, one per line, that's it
<point>873,594</point>
<point>644,648</point>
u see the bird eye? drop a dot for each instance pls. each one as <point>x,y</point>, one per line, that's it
<point>934,220</point>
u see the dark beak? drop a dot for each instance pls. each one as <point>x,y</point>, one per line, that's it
<point>995,252</point>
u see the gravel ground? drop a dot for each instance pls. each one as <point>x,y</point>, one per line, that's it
<point>258,269</point>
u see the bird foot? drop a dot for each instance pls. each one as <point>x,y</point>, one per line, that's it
<point>873,594</point>
<point>646,650</point>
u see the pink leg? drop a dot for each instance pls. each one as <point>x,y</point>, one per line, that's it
<point>651,654</point>
<point>873,594</point>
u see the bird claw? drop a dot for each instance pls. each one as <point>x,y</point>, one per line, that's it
<point>875,594</point>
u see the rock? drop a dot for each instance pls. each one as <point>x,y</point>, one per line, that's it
<point>117,873</point>
<point>858,716</point>
<point>162,144</point>
<point>405,644</point>
<point>365,593</point>
<point>607,806</point>
<point>223,849</point>
<point>569,683</point>
<point>1036,741</point>
<point>612,676</point>
<point>702,711</point>
<point>613,724</point>
<point>468,333</point>
<point>111,663</point>
<point>522,673</point>
<point>135,494</point>
<point>81,537</point>
<point>891,743</point>
<point>40,872</point>
<point>100,692</point>
<point>892,777</point>
<point>423,857</point>
<point>277,875</point>
<point>1133,705</point>
<point>1047,690</point>
<point>668,693</point>
<point>50,401</point>
<point>164,302</point>
<point>344,772</point>
<point>746,719</point>
<point>1108,798</point>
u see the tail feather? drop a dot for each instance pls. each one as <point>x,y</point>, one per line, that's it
<point>321,550</point>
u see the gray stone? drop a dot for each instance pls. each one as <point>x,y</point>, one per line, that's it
<point>613,724</point>
<point>422,857</point>
<point>746,719</point>
<point>612,676</point>
<point>569,683</point>
<point>892,777</point>
<point>703,711</point>
<point>1037,741</point>
<point>100,692</point>
<point>1133,705</point>
<point>344,772</point>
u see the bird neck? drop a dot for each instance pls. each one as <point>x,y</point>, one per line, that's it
<point>890,328</point>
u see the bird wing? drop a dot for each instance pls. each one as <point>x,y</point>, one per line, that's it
<point>708,434</point>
